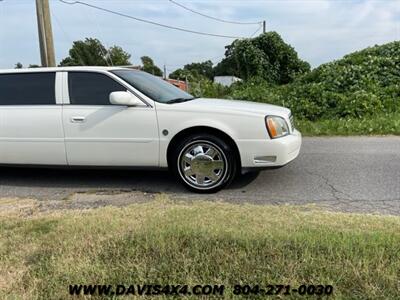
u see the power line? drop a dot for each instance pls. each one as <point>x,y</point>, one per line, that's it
<point>107,55</point>
<point>213,18</point>
<point>72,41</point>
<point>67,36</point>
<point>150,22</point>
<point>259,28</point>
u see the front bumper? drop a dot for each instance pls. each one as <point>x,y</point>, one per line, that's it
<point>270,153</point>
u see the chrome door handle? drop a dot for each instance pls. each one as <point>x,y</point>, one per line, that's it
<point>78,119</point>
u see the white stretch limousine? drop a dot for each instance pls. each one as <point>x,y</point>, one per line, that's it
<point>116,117</point>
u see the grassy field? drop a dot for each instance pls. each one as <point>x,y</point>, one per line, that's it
<point>166,241</point>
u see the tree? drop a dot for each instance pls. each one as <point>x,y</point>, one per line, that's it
<point>266,56</point>
<point>118,56</point>
<point>91,52</point>
<point>194,71</point>
<point>150,67</point>
<point>181,74</point>
<point>20,66</point>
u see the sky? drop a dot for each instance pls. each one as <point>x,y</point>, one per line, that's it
<point>319,30</point>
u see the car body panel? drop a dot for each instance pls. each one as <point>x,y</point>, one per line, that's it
<point>243,121</point>
<point>32,135</point>
<point>114,135</point>
<point>111,135</point>
<point>231,106</point>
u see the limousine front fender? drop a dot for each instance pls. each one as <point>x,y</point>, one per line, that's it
<point>176,132</point>
<point>244,130</point>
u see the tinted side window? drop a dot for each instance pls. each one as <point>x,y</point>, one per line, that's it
<point>86,88</point>
<point>27,89</point>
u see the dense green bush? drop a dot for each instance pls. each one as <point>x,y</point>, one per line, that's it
<point>361,84</point>
<point>266,56</point>
<point>194,71</point>
<point>382,123</point>
<point>358,94</point>
<point>208,89</point>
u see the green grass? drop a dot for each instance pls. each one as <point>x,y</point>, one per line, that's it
<point>386,124</point>
<point>198,243</point>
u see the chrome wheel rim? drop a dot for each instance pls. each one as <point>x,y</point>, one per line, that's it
<point>202,165</point>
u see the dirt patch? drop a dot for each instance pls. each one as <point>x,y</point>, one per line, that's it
<point>75,201</point>
<point>18,207</point>
<point>96,199</point>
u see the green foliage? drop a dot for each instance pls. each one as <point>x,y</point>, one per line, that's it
<point>20,66</point>
<point>361,84</point>
<point>208,89</point>
<point>150,67</point>
<point>91,52</point>
<point>182,74</point>
<point>118,56</point>
<point>266,56</point>
<point>194,71</point>
<point>388,123</point>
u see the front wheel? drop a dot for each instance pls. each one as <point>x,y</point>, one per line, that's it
<point>204,163</point>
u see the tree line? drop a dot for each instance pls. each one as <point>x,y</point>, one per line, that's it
<point>267,57</point>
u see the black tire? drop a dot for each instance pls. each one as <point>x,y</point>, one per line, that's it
<point>224,155</point>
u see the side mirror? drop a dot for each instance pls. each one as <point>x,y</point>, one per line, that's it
<point>124,98</point>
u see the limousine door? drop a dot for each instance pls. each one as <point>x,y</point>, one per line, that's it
<point>31,130</point>
<point>98,133</point>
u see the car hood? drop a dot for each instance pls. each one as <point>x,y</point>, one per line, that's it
<point>236,106</point>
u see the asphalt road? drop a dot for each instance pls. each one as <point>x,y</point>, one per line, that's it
<point>352,174</point>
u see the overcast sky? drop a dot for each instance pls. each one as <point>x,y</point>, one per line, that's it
<point>319,30</point>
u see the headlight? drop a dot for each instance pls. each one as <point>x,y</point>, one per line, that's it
<point>277,126</point>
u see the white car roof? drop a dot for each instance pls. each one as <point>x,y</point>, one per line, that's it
<point>60,69</point>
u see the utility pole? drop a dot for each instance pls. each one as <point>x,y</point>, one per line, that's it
<point>45,33</point>
<point>165,71</point>
<point>264,26</point>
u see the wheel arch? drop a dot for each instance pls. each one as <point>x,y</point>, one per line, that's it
<point>203,129</point>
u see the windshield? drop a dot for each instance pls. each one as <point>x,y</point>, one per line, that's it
<point>153,87</point>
